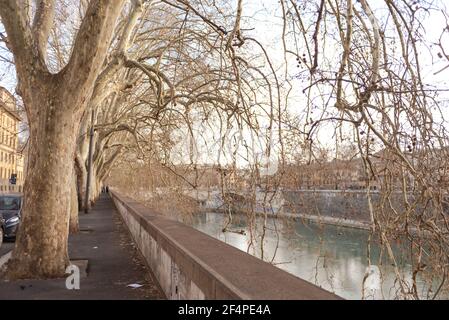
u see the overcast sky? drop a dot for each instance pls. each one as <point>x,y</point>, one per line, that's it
<point>263,20</point>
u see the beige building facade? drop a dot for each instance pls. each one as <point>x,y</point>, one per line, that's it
<point>11,160</point>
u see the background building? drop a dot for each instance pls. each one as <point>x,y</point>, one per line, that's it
<point>11,160</point>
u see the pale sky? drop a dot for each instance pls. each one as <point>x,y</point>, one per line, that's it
<point>264,21</point>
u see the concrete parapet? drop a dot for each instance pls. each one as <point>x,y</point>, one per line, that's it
<point>192,265</point>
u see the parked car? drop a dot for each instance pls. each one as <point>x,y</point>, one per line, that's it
<point>2,223</point>
<point>10,208</point>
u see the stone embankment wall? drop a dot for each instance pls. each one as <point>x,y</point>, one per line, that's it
<point>192,265</point>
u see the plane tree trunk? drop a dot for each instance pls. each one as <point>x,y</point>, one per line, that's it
<point>74,209</point>
<point>41,246</point>
<point>54,104</point>
<point>81,177</point>
<point>81,158</point>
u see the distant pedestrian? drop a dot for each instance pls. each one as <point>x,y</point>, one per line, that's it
<point>107,189</point>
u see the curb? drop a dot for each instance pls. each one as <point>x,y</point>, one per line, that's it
<point>5,258</point>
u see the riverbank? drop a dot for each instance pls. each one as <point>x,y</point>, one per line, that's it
<point>339,222</point>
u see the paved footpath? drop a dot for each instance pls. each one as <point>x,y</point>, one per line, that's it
<point>114,263</point>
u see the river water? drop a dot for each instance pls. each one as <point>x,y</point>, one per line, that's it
<point>332,257</point>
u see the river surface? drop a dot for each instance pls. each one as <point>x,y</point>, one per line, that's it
<point>332,257</point>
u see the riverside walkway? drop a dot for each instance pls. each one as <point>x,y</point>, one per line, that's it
<point>113,263</point>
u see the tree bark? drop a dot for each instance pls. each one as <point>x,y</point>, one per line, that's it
<point>41,245</point>
<point>74,221</point>
<point>54,104</point>
<point>81,176</point>
<point>93,194</point>
<point>80,159</point>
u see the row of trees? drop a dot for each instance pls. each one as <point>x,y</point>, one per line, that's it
<point>132,71</point>
<point>140,72</point>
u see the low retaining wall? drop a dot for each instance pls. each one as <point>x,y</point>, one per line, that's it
<point>192,265</point>
<point>337,204</point>
<point>327,205</point>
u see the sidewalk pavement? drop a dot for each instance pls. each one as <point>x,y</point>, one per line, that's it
<point>113,263</point>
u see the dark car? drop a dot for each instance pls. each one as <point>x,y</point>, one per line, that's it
<point>2,223</point>
<point>10,207</point>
